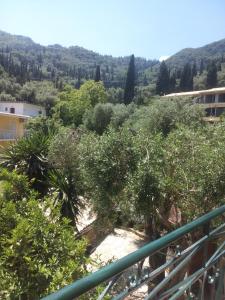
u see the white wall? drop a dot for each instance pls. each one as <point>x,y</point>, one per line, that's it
<point>5,107</point>
<point>33,110</point>
<point>23,109</point>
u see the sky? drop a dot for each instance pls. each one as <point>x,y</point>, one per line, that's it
<point>146,28</point>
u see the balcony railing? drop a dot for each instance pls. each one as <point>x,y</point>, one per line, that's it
<point>190,271</point>
<point>8,134</point>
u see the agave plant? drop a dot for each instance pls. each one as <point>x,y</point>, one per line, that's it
<point>65,193</point>
<point>29,157</point>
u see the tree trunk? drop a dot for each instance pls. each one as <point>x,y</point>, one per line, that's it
<point>159,258</point>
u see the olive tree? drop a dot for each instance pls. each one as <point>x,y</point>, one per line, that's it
<point>105,162</point>
<point>64,177</point>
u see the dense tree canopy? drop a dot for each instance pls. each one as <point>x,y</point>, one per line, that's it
<point>73,103</point>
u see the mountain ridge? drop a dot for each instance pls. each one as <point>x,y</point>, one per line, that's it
<point>193,55</point>
<point>211,49</point>
<point>55,46</point>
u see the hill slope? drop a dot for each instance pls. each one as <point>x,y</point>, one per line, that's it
<point>73,64</point>
<point>212,51</point>
<point>32,72</point>
<point>198,59</point>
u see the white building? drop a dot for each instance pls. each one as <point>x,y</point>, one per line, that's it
<point>22,108</point>
<point>13,118</point>
<point>213,100</point>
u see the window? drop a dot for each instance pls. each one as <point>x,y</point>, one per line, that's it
<point>12,110</point>
<point>6,108</point>
<point>222,98</point>
<point>210,112</point>
<point>219,111</point>
<point>200,100</point>
<point>213,112</point>
<point>209,98</point>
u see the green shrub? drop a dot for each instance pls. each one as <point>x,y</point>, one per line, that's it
<point>39,253</point>
<point>98,119</point>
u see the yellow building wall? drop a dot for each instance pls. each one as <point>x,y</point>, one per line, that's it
<point>11,126</point>
<point>5,143</point>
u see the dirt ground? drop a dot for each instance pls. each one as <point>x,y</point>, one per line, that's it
<point>117,245</point>
<point>86,216</point>
<point>114,246</point>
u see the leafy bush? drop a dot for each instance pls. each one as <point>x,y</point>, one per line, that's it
<point>164,115</point>
<point>103,115</point>
<point>98,118</point>
<point>121,113</point>
<point>43,125</point>
<point>15,187</point>
<point>39,253</point>
<point>115,95</point>
<point>73,103</point>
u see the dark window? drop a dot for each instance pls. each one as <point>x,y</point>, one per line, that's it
<point>210,99</point>
<point>199,100</point>
<point>6,108</point>
<point>219,111</point>
<point>213,112</point>
<point>210,112</point>
<point>221,98</point>
<point>12,110</point>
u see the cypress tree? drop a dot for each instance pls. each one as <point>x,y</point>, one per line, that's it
<point>211,80</point>
<point>186,80</point>
<point>194,69</point>
<point>163,80</point>
<point>201,68</point>
<point>178,73</point>
<point>97,74</point>
<point>130,82</point>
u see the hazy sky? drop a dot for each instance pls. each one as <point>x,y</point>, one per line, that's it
<point>148,28</point>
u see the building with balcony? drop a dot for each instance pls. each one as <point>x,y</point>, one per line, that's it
<point>13,117</point>
<point>212,99</point>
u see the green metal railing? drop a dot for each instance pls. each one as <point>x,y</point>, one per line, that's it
<point>210,270</point>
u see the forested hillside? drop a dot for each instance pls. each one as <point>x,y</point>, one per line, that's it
<point>192,69</point>
<point>36,73</point>
<point>73,64</point>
